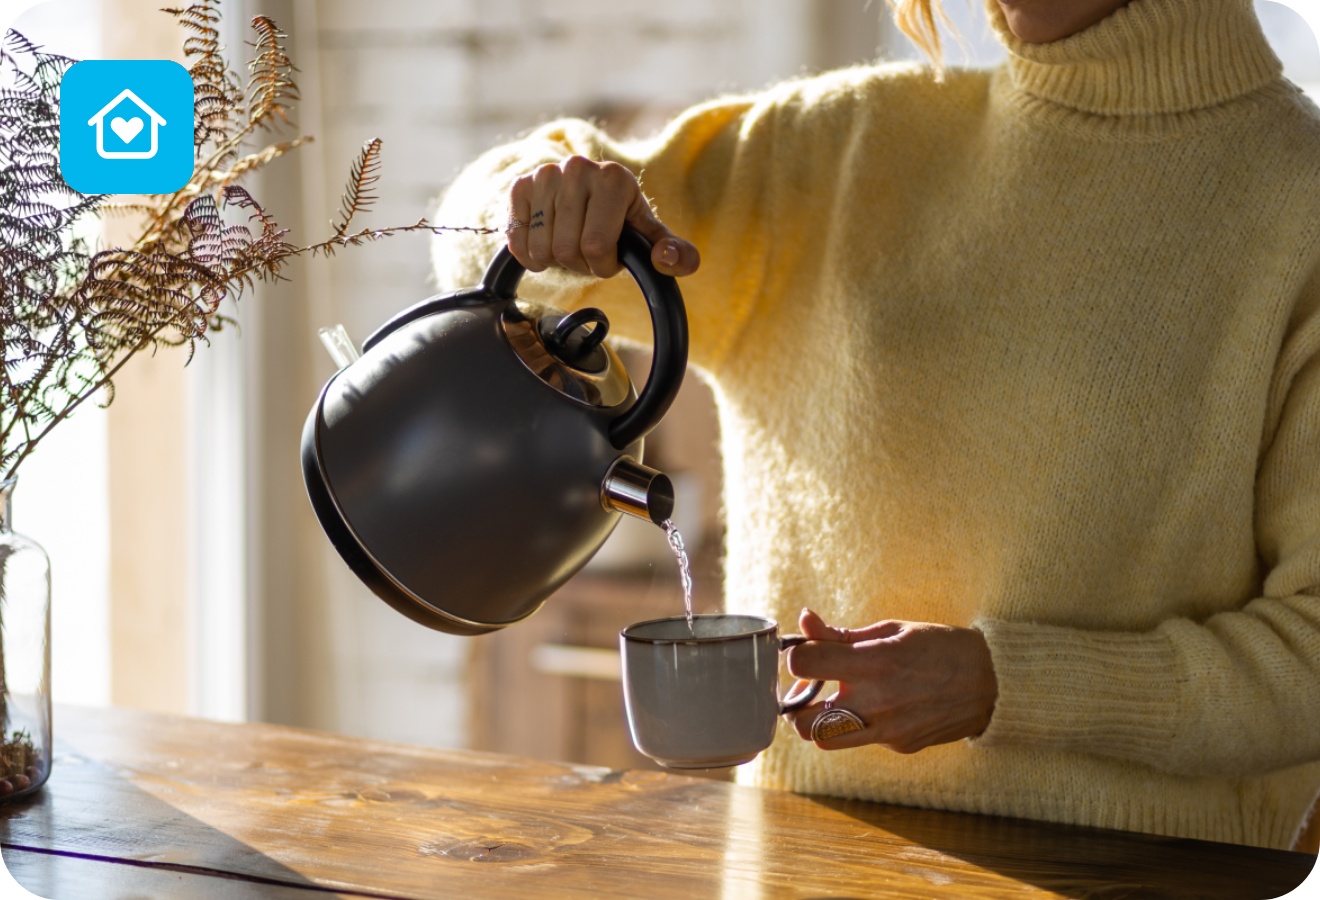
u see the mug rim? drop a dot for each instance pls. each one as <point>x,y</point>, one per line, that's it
<point>767,626</point>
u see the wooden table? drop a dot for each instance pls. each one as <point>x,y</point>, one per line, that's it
<point>153,806</point>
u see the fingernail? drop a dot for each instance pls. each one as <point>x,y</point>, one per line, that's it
<point>669,253</point>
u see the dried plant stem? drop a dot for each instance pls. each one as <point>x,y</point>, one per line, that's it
<point>327,247</point>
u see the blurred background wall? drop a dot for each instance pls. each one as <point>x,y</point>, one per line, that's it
<point>190,575</point>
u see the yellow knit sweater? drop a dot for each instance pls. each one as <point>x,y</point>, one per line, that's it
<point>1034,350</point>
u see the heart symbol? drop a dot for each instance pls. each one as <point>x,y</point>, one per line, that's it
<point>127,129</point>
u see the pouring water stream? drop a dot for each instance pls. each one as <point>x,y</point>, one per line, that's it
<point>684,569</point>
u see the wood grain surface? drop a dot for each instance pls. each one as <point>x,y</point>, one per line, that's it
<point>144,805</point>
<point>61,875</point>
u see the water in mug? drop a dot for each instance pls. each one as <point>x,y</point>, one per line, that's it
<point>684,567</point>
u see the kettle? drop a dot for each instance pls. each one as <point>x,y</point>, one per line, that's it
<point>482,447</point>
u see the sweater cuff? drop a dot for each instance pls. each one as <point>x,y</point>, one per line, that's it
<point>1109,694</point>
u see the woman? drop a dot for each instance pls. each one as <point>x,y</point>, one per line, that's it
<point>1019,377</point>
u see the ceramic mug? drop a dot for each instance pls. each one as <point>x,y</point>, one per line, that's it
<point>707,697</point>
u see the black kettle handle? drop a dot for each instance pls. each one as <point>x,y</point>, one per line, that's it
<point>668,325</point>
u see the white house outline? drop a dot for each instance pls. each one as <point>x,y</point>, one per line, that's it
<point>99,121</point>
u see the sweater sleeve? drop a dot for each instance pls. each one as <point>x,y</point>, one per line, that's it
<point>1237,694</point>
<point>704,176</point>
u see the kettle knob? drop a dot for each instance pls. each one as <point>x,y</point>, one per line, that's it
<point>668,326</point>
<point>571,341</point>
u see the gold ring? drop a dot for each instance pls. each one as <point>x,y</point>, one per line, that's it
<point>834,722</point>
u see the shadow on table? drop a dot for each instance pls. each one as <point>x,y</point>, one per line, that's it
<point>79,817</point>
<point>1116,864</point>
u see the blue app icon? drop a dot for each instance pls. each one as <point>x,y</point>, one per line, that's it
<point>126,126</point>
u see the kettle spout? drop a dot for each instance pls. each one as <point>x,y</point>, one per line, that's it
<point>637,490</point>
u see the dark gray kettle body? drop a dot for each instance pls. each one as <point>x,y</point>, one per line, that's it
<point>482,448</point>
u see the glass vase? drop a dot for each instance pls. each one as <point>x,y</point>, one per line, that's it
<point>25,729</point>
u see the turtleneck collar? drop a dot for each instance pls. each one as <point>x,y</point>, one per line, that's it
<point>1149,57</point>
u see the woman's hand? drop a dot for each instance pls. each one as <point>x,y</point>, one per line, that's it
<point>572,213</point>
<point>914,684</point>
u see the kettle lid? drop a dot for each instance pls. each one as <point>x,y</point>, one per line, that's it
<point>566,351</point>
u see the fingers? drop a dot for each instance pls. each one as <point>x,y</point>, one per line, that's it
<point>534,196</point>
<point>838,654</point>
<point>611,191</point>
<point>901,730</point>
<point>845,656</point>
<point>804,720</point>
<point>572,213</point>
<point>913,684</point>
<point>520,215</point>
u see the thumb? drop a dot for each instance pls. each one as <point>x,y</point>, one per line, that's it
<point>670,254</point>
<point>815,628</point>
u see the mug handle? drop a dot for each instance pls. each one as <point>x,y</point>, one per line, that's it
<point>792,703</point>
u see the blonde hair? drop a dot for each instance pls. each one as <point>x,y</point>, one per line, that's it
<point>918,19</point>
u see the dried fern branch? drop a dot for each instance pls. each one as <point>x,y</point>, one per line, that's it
<point>271,90</point>
<point>216,93</point>
<point>361,179</point>
<point>71,317</point>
